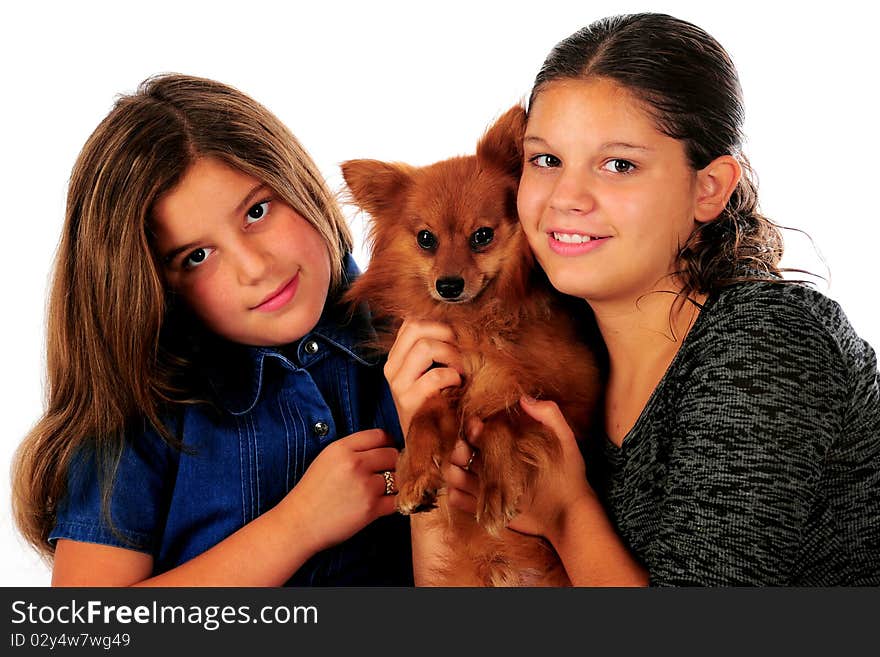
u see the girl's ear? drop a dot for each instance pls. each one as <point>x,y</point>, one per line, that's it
<point>715,184</point>
<point>501,146</point>
<point>376,186</point>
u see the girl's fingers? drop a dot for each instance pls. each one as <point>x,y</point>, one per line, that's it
<point>460,474</point>
<point>419,359</point>
<point>410,333</point>
<point>463,455</point>
<point>460,479</point>
<point>379,459</point>
<point>424,342</point>
<point>384,503</point>
<point>387,483</point>
<point>386,506</point>
<point>386,492</point>
<point>548,414</point>
<point>473,429</point>
<point>428,385</point>
<point>462,501</point>
<point>368,439</point>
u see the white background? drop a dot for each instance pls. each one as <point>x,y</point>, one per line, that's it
<point>412,82</point>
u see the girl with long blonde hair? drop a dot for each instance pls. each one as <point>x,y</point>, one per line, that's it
<point>209,418</point>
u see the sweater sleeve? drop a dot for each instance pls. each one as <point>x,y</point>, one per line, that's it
<point>758,413</point>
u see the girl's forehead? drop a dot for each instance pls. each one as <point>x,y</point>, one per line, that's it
<point>593,107</point>
<point>211,177</point>
<point>593,96</point>
<point>207,185</point>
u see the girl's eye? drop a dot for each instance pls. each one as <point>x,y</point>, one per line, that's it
<point>619,166</point>
<point>545,161</point>
<point>257,212</point>
<point>197,257</point>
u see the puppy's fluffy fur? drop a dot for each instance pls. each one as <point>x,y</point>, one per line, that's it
<point>447,246</point>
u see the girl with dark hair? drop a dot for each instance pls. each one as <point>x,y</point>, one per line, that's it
<point>210,419</point>
<point>742,412</point>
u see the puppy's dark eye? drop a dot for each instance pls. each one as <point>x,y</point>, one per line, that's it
<point>482,237</point>
<point>426,239</point>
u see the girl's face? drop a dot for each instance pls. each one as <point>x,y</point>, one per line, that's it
<point>251,268</point>
<point>606,199</point>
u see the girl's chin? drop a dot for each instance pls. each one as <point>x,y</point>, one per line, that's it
<point>570,283</point>
<point>574,277</point>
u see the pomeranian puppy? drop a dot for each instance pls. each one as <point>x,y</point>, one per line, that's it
<point>446,245</point>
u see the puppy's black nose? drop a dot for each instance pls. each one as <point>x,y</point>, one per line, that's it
<point>450,288</point>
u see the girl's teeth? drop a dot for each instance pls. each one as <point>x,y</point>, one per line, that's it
<point>570,238</point>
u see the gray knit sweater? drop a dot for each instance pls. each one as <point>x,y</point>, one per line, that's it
<point>756,460</point>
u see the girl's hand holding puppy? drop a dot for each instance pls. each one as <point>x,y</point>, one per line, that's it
<point>411,368</point>
<point>559,490</point>
<point>564,509</point>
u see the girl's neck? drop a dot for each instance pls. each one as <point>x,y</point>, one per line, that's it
<point>645,333</point>
<point>642,337</point>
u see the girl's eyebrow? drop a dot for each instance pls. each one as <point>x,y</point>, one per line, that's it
<point>247,199</point>
<point>604,147</point>
<point>173,253</point>
<point>623,144</point>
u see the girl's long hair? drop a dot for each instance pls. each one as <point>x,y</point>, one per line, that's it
<point>689,84</point>
<point>113,367</point>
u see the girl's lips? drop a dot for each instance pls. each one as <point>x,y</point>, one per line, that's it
<point>569,248</point>
<point>279,297</point>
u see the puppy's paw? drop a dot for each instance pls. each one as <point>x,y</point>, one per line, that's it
<point>419,493</point>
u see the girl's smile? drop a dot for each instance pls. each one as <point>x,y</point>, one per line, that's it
<point>280,297</point>
<point>573,244</point>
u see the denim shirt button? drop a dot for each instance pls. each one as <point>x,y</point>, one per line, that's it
<point>311,347</point>
<point>321,429</point>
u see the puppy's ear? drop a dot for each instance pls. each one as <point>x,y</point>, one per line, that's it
<point>376,186</point>
<point>501,146</point>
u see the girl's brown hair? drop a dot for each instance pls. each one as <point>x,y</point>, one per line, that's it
<point>110,365</point>
<point>689,84</point>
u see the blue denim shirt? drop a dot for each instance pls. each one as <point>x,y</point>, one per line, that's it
<point>272,413</point>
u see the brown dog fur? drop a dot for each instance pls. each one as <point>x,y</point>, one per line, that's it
<point>516,335</point>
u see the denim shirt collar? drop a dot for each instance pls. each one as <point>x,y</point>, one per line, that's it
<point>236,376</point>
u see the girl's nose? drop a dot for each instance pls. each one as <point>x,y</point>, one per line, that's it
<point>572,193</point>
<point>252,262</point>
